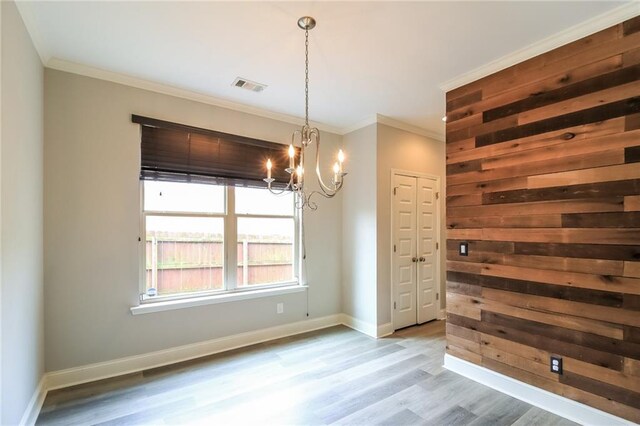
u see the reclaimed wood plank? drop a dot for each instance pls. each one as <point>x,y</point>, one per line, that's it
<point>571,147</point>
<point>599,174</point>
<point>602,220</point>
<point>606,375</point>
<point>598,113</point>
<point>600,328</point>
<point>567,192</point>
<point>597,83</point>
<point>622,236</point>
<point>632,203</point>
<point>577,294</point>
<point>540,88</point>
<point>588,251</point>
<point>581,338</point>
<point>533,221</point>
<point>533,168</point>
<point>554,263</point>
<point>632,269</point>
<point>605,390</point>
<point>607,283</point>
<point>568,307</point>
<point>588,205</point>
<point>548,139</point>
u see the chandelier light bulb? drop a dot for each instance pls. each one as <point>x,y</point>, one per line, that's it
<point>291,155</point>
<point>269,165</point>
<point>299,172</point>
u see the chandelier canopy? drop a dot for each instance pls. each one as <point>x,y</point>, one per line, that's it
<point>304,137</point>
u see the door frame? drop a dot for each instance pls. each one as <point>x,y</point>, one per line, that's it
<point>408,173</point>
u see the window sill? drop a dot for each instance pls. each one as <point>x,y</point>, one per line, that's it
<point>169,305</point>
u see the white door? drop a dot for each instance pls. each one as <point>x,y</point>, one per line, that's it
<point>414,260</point>
<point>404,256</point>
<point>427,258</point>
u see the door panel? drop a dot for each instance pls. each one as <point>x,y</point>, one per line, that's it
<point>426,250</point>
<point>404,268</point>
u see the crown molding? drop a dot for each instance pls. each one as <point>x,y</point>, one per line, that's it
<point>586,28</point>
<point>392,122</point>
<point>32,29</point>
<point>373,119</point>
<point>139,83</point>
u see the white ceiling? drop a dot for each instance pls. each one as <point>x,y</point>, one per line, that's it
<point>365,57</point>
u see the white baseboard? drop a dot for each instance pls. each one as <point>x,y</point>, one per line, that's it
<point>359,325</point>
<point>567,408</point>
<point>385,330</point>
<point>375,331</point>
<point>92,372</point>
<point>35,404</point>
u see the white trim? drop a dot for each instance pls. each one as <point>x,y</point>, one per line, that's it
<point>359,325</point>
<point>392,122</point>
<point>567,408</point>
<point>35,404</point>
<point>385,330</point>
<point>361,124</point>
<point>442,315</point>
<point>584,29</point>
<point>115,77</point>
<point>147,308</point>
<point>132,364</point>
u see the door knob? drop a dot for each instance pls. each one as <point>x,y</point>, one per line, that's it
<point>422,259</point>
<point>414,259</point>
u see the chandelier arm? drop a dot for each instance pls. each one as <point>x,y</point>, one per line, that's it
<point>327,190</point>
<point>283,190</point>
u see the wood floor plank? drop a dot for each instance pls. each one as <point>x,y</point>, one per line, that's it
<point>336,375</point>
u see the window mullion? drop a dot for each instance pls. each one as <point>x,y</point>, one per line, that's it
<point>231,241</point>
<point>142,247</point>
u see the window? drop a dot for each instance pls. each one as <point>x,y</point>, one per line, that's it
<point>207,239</point>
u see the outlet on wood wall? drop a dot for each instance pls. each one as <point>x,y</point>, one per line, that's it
<point>543,182</point>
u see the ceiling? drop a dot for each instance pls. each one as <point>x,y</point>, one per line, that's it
<point>366,58</point>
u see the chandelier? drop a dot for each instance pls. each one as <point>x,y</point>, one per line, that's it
<point>304,137</point>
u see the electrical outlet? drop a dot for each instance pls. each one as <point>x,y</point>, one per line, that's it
<point>280,308</point>
<point>556,364</point>
<point>464,249</point>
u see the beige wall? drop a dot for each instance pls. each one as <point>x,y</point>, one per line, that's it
<point>92,225</point>
<point>21,325</point>
<point>359,226</point>
<point>398,149</point>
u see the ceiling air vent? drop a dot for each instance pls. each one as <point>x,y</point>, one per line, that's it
<point>249,85</point>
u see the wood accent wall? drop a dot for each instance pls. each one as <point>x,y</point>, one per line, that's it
<point>543,181</point>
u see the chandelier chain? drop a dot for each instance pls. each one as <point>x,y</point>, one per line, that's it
<point>306,77</point>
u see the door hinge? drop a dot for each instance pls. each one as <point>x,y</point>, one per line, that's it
<point>394,248</point>
<point>394,190</point>
<point>437,296</point>
<point>394,305</point>
<point>437,195</point>
<point>437,246</point>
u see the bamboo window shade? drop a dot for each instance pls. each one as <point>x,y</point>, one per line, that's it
<point>181,153</point>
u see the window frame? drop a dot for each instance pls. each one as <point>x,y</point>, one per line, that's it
<point>230,241</point>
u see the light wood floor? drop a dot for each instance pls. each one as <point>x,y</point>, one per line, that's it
<point>330,376</point>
